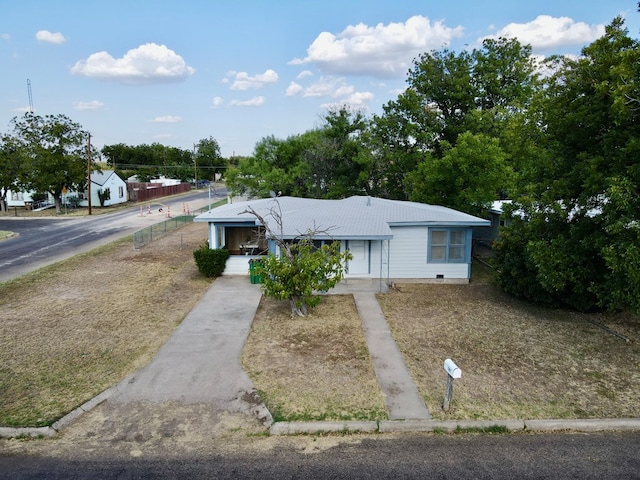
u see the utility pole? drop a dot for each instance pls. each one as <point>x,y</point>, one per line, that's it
<point>89,171</point>
<point>195,166</point>
<point>30,96</point>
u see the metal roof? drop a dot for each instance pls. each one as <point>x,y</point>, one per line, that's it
<point>100,178</point>
<point>349,218</point>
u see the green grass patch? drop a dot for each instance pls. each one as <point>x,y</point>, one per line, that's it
<point>491,430</point>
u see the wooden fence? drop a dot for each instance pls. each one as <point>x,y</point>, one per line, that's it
<point>141,192</point>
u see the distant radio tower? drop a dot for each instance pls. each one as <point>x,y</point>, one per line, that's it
<point>30,97</point>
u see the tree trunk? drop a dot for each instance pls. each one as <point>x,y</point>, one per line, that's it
<point>58,202</point>
<point>298,307</point>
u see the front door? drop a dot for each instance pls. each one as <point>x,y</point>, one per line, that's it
<point>359,264</point>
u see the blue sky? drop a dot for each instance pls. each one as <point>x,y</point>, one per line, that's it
<point>175,72</point>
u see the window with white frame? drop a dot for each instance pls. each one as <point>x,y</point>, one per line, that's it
<point>447,245</point>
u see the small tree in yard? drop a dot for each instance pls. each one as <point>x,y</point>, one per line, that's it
<point>104,195</point>
<point>301,269</point>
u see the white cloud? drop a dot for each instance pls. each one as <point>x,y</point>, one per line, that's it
<point>380,51</point>
<point>294,89</point>
<point>163,136</point>
<point>217,102</point>
<point>244,81</point>
<point>547,32</point>
<point>304,74</point>
<point>167,119</point>
<point>253,102</point>
<point>92,105</point>
<point>149,63</point>
<point>332,87</point>
<point>46,36</point>
<point>336,89</point>
<point>5,36</point>
<point>360,98</point>
<point>356,100</point>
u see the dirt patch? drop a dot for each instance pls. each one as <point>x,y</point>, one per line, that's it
<point>313,368</point>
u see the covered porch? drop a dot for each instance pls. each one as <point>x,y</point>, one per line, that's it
<point>244,240</point>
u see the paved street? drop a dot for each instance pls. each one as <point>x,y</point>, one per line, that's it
<point>45,240</point>
<point>550,456</point>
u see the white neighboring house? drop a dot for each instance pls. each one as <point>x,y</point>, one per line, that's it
<point>389,239</point>
<point>163,181</point>
<point>489,234</point>
<point>21,199</point>
<point>108,179</point>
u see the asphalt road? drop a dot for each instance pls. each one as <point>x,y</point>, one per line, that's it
<point>42,241</point>
<point>509,456</point>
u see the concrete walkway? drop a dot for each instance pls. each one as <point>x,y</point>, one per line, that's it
<point>401,394</point>
<point>200,366</point>
<point>200,363</point>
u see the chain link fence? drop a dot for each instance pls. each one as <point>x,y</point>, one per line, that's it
<point>158,230</point>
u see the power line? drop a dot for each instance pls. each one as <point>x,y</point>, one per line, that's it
<point>125,166</point>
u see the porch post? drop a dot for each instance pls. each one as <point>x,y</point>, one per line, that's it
<point>213,235</point>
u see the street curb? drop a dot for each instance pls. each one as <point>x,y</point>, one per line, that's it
<point>406,426</point>
<point>52,431</point>
<point>31,432</point>
<point>89,405</point>
<point>584,425</point>
<point>449,426</point>
<point>295,428</point>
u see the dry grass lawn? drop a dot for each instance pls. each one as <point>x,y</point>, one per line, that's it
<point>517,360</point>
<point>71,330</point>
<point>313,368</point>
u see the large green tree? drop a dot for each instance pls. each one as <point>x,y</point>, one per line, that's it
<point>53,151</point>
<point>332,157</point>
<point>579,243</point>
<point>209,159</point>
<point>10,169</point>
<point>467,177</point>
<point>486,91</point>
<point>277,165</point>
<point>151,161</point>
<point>320,163</point>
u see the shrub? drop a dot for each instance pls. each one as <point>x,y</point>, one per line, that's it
<point>210,262</point>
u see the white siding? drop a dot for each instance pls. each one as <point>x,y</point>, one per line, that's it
<point>408,257</point>
<point>447,270</point>
<point>408,252</point>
